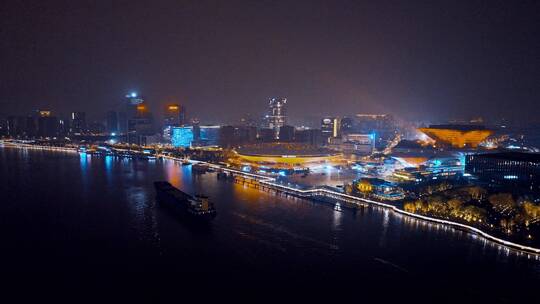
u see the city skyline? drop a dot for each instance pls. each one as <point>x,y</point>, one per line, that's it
<point>412,60</point>
<point>177,149</point>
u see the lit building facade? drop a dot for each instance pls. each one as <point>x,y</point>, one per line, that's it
<point>175,115</point>
<point>349,143</point>
<point>138,119</point>
<point>506,168</point>
<point>330,127</point>
<point>457,136</point>
<point>383,127</point>
<point>277,116</point>
<point>286,156</point>
<point>48,125</point>
<point>230,136</point>
<point>78,123</point>
<point>208,136</point>
<point>182,137</point>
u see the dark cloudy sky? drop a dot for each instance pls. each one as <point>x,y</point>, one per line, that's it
<point>416,59</point>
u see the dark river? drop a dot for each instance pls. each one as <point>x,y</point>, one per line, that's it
<point>88,227</point>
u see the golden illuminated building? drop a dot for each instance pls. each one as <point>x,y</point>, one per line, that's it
<point>285,156</point>
<point>457,136</point>
<point>141,107</point>
<point>365,186</point>
<point>44,113</point>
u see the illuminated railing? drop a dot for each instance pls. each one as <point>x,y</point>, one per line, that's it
<point>350,198</point>
<point>270,181</point>
<point>37,147</point>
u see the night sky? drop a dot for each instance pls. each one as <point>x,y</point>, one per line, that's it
<point>223,59</point>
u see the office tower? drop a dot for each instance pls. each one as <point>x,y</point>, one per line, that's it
<point>277,116</point>
<point>507,169</point>
<point>48,125</point>
<point>348,125</point>
<point>13,126</point>
<point>330,127</point>
<point>309,136</point>
<point>174,116</point>
<point>96,127</point>
<point>382,126</point>
<point>286,133</point>
<point>182,137</point>
<point>208,136</point>
<point>78,122</point>
<point>138,119</point>
<point>266,135</point>
<point>112,122</point>
<point>230,136</point>
<point>3,127</point>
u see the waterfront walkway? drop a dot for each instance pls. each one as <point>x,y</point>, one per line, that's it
<point>267,182</point>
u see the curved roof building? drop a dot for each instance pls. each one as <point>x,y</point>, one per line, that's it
<point>457,136</point>
<point>286,155</point>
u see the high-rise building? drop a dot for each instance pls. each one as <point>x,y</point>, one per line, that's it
<point>174,116</point>
<point>3,127</point>
<point>78,123</point>
<point>382,126</point>
<point>208,136</point>
<point>230,136</point>
<point>134,99</point>
<point>13,127</point>
<point>48,125</point>
<point>506,169</point>
<point>63,127</point>
<point>266,135</point>
<point>112,122</point>
<point>308,136</point>
<point>139,120</point>
<point>30,128</point>
<point>330,127</point>
<point>182,137</point>
<point>286,133</point>
<point>20,126</point>
<point>277,116</point>
<point>347,125</point>
<point>96,127</point>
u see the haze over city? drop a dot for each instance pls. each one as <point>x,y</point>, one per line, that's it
<point>367,151</point>
<point>426,60</point>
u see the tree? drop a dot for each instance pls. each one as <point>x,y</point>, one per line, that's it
<point>421,205</point>
<point>348,188</point>
<point>410,207</point>
<point>473,213</point>
<point>503,202</point>
<point>477,193</point>
<point>454,206</point>
<point>455,203</point>
<point>531,213</point>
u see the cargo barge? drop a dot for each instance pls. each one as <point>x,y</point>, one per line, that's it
<point>192,206</point>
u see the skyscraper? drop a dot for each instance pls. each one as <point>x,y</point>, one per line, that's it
<point>175,115</point>
<point>78,122</point>
<point>138,118</point>
<point>277,116</point>
<point>112,122</point>
<point>330,127</point>
<point>48,125</point>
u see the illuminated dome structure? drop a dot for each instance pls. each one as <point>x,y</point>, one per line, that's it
<point>457,136</point>
<point>286,156</point>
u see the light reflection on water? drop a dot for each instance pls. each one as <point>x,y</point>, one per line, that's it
<point>261,226</point>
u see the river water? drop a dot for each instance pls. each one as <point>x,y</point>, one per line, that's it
<point>73,223</point>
